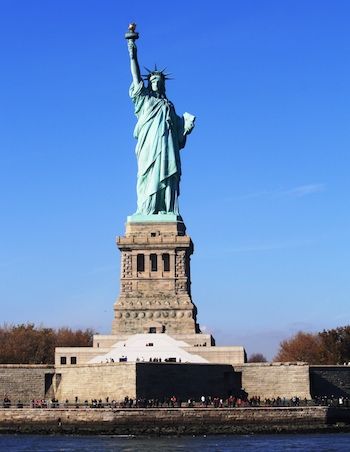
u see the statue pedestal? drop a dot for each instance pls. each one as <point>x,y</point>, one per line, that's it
<point>155,282</point>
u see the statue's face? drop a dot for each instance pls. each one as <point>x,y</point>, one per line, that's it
<point>157,83</point>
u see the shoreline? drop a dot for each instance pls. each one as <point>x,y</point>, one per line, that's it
<point>174,421</point>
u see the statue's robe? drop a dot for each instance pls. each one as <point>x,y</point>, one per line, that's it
<point>160,136</point>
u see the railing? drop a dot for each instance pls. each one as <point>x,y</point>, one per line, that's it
<point>173,402</point>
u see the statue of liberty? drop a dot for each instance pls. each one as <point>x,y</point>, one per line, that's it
<point>160,135</point>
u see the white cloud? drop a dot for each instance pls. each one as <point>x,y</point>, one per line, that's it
<point>296,192</point>
<point>304,190</point>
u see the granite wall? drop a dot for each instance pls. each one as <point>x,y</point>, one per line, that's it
<point>116,380</point>
<point>26,382</point>
<point>269,380</point>
<point>96,381</point>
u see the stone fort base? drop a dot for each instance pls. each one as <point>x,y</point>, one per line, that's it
<point>267,380</point>
<point>145,380</point>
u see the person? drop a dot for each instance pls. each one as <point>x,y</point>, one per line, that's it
<point>161,133</point>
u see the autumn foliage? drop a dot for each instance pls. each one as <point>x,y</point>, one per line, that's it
<point>28,344</point>
<point>326,347</point>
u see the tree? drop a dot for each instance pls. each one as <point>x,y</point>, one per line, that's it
<point>257,358</point>
<point>28,344</point>
<point>326,347</point>
<point>301,347</point>
<point>336,345</point>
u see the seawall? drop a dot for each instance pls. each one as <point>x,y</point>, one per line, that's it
<point>174,421</point>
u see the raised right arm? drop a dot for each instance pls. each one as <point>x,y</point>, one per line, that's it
<point>134,64</point>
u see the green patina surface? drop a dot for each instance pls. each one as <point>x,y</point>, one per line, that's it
<point>160,135</point>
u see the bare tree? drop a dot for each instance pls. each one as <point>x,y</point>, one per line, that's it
<point>257,358</point>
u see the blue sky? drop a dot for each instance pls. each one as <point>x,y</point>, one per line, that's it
<point>265,186</point>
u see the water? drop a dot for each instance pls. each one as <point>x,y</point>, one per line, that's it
<point>271,443</point>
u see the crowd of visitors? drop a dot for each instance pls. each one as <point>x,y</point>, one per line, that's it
<point>241,401</point>
<point>142,360</point>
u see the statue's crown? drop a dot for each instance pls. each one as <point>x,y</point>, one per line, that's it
<point>155,71</point>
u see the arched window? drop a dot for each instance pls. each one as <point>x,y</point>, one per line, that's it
<point>166,262</point>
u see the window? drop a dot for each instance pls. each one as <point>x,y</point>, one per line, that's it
<point>154,266</point>
<point>63,360</point>
<point>48,382</point>
<point>152,330</point>
<point>166,262</point>
<point>140,262</point>
<point>73,359</point>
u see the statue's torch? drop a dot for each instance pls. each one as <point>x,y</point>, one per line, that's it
<point>132,34</point>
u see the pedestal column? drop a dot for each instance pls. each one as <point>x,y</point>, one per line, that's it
<point>158,300</point>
